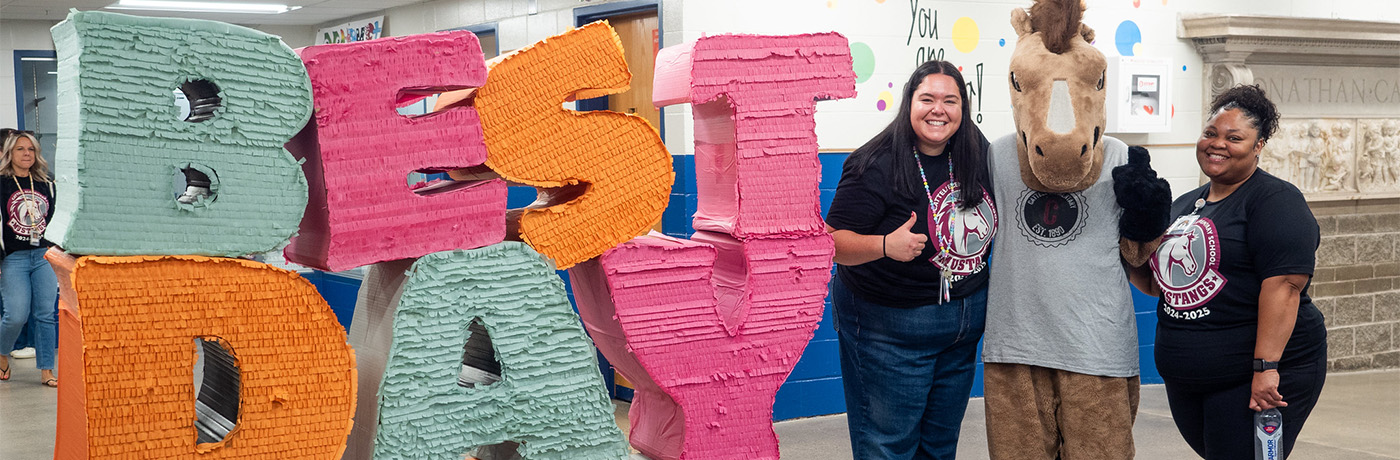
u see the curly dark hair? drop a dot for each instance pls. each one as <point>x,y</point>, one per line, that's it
<point>1253,104</point>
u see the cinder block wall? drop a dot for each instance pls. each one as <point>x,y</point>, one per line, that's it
<point>1357,282</point>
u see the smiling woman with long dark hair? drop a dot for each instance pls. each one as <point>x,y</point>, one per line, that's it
<point>913,222</point>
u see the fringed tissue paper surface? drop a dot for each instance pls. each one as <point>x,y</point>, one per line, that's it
<point>718,322</point>
<point>129,325</point>
<point>122,145</point>
<point>716,339</point>
<point>359,152</point>
<point>550,398</point>
<point>754,102</point>
<point>611,172</point>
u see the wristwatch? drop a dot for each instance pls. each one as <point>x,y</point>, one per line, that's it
<point>1262,365</point>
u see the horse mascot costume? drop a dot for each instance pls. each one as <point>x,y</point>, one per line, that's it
<point>1061,350</point>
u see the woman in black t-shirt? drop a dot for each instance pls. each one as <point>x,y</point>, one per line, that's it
<point>909,308</point>
<point>28,285</point>
<point>1237,332</point>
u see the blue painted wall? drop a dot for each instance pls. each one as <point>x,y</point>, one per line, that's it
<point>814,387</point>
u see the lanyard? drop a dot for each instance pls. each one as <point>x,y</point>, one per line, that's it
<point>946,281</point>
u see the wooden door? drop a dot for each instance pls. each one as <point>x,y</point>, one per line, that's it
<point>640,41</point>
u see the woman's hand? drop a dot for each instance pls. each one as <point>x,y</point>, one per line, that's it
<point>902,244</point>
<point>1263,393</point>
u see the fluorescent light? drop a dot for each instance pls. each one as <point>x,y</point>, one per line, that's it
<point>31,58</point>
<point>202,7</point>
<point>53,73</point>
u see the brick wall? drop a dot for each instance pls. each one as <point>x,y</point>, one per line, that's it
<point>1357,282</point>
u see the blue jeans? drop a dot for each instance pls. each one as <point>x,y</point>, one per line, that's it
<point>30,290</point>
<point>907,373</point>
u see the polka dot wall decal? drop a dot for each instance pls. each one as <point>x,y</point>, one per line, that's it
<point>862,61</point>
<point>1001,42</point>
<point>966,34</point>
<point>1137,49</point>
<point>885,101</point>
<point>1183,68</point>
<point>1137,3</point>
<point>891,84</point>
<point>1127,37</point>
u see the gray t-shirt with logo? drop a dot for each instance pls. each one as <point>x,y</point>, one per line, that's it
<point>1058,295</point>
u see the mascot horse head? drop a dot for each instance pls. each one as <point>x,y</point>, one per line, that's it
<point>1057,95</point>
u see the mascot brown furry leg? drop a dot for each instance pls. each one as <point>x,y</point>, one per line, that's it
<point>1061,348</point>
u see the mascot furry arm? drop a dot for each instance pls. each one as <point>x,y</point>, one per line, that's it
<point>1060,117</point>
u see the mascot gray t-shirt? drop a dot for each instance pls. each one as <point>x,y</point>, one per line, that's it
<point>1065,303</point>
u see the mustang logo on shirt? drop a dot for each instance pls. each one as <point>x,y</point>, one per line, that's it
<point>968,231</point>
<point>27,211</point>
<point>1185,266</point>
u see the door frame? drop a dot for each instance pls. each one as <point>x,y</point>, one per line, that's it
<point>586,14</point>
<point>478,29</point>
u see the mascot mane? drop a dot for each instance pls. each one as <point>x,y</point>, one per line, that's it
<point>1057,21</point>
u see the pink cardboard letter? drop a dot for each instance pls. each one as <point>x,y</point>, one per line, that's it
<point>708,329</point>
<point>359,152</point>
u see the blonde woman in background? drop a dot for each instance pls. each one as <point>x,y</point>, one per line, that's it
<point>27,283</point>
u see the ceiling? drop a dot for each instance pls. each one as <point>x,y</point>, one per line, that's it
<point>313,12</point>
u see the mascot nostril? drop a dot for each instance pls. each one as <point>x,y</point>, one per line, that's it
<point>1038,151</point>
<point>1083,149</point>
<point>1096,137</point>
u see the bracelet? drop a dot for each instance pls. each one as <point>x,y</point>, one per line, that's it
<point>883,252</point>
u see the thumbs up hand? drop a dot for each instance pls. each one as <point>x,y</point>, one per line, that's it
<point>902,244</point>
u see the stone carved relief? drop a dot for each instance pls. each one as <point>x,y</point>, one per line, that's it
<point>1334,156</point>
<point>1379,163</point>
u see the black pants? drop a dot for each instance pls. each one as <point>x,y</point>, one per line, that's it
<point>1216,419</point>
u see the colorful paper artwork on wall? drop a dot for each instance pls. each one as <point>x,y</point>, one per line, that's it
<point>708,329</point>
<point>128,325</point>
<point>359,152</point>
<point>468,343</point>
<point>608,175</point>
<point>121,138</point>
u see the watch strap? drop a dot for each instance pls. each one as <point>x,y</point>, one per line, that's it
<point>1262,365</point>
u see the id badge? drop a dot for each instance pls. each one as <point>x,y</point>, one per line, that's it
<point>1182,225</point>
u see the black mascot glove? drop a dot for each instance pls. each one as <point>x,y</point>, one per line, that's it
<point>1145,198</point>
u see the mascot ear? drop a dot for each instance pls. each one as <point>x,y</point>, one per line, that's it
<point>1086,32</point>
<point>1021,22</point>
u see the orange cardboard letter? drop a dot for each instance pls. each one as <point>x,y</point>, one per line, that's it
<point>611,172</point>
<point>129,326</point>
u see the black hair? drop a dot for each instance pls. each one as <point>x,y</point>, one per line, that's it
<point>899,141</point>
<point>1253,104</point>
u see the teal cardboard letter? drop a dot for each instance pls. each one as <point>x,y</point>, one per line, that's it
<point>139,175</point>
<point>550,398</point>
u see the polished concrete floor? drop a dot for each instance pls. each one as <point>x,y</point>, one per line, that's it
<point>1358,418</point>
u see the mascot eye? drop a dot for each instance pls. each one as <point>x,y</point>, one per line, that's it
<point>1102,76</point>
<point>1017,84</point>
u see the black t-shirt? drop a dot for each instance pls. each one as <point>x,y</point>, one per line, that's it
<point>28,211</point>
<point>1210,273</point>
<point>868,204</point>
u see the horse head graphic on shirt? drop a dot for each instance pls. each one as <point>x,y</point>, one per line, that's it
<point>970,223</point>
<point>1177,251</point>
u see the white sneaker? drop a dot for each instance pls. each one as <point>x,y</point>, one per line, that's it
<point>23,353</point>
